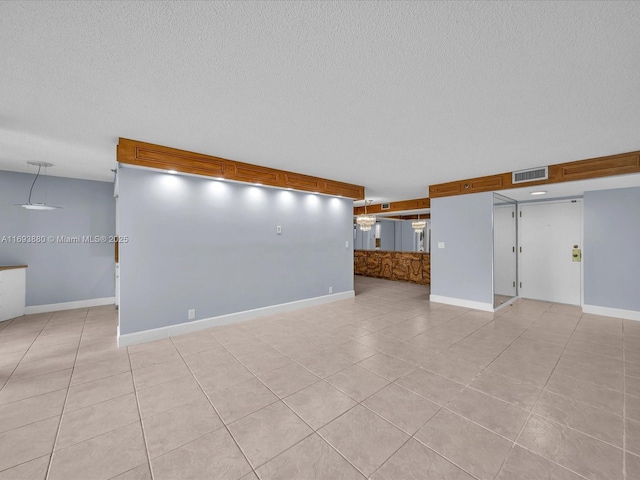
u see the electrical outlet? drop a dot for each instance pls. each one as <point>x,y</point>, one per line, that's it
<point>330,289</point>
<point>346,244</point>
<point>278,229</point>
<point>192,313</point>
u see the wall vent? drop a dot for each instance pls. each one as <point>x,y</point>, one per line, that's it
<point>530,175</point>
<point>385,206</point>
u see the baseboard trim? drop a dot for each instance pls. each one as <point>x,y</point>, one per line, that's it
<point>56,307</point>
<point>128,339</point>
<point>611,312</point>
<point>459,302</point>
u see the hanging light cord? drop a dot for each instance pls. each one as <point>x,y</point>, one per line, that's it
<point>34,182</point>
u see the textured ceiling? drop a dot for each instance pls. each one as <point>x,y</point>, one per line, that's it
<point>391,95</point>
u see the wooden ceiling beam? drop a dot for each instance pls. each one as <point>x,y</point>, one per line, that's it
<point>622,164</point>
<point>141,154</point>
<point>402,205</point>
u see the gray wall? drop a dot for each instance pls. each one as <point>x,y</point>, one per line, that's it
<point>388,235</point>
<point>463,269</point>
<point>611,253</point>
<point>357,238</point>
<point>365,240</point>
<point>408,236</point>
<point>59,272</point>
<point>395,236</point>
<point>212,246</point>
<point>397,233</point>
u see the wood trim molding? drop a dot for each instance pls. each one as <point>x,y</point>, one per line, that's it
<point>423,216</point>
<point>621,164</point>
<point>134,152</point>
<point>402,205</point>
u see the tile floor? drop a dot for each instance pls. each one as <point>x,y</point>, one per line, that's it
<point>384,386</point>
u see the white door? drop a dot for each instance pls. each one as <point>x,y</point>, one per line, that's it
<point>548,233</point>
<point>504,250</point>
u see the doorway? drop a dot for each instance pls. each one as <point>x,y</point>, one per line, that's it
<point>549,259</point>
<point>504,249</point>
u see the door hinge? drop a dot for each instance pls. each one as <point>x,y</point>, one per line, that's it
<point>513,214</point>
<point>513,249</point>
<point>520,249</point>
<point>520,213</point>
<point>514,284</point>
<point>520,284</point>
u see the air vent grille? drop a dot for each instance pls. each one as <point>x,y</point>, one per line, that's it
<point>385,206</point>
<point>530,175</point>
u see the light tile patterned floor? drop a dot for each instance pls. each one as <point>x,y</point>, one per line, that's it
<point>384,386</point>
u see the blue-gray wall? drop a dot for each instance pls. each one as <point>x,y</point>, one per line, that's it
<point>362,239</point>
<point>611,253</point>
<point>388,235</point>
<point>463,269</point>
<point>408,236</point>
<point>212,246</point>
<point>396,235</point>
<point>59,272</point>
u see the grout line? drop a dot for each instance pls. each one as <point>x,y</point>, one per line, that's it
<point>550,461</point>
<point>25,462</point>
<point>64,404</point>
<point>314,430</point>
<point>624,405</point>
<point>144,435</point>
<point>324,314</point>
<point>524,424</point>
<point>535,403</point>
<point>21,358</point>
<point>224,425</point>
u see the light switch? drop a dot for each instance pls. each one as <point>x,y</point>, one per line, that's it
<point>278,229</point>
<point>440,244</point>
<point>346,244</point>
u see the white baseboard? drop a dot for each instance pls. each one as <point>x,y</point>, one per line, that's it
<point>172,330</point>
<point>56,307</point>
<point>611,312</point>
<point>459,302</point>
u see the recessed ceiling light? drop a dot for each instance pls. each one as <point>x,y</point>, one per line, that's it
<point>172,172</point>
<point>541,192</point>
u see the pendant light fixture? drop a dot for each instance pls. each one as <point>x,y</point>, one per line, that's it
<point>418,225</point>
<point>364,220</point>
<point>37,206</point>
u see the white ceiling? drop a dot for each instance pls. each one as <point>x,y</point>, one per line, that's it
<point>391,95</point>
